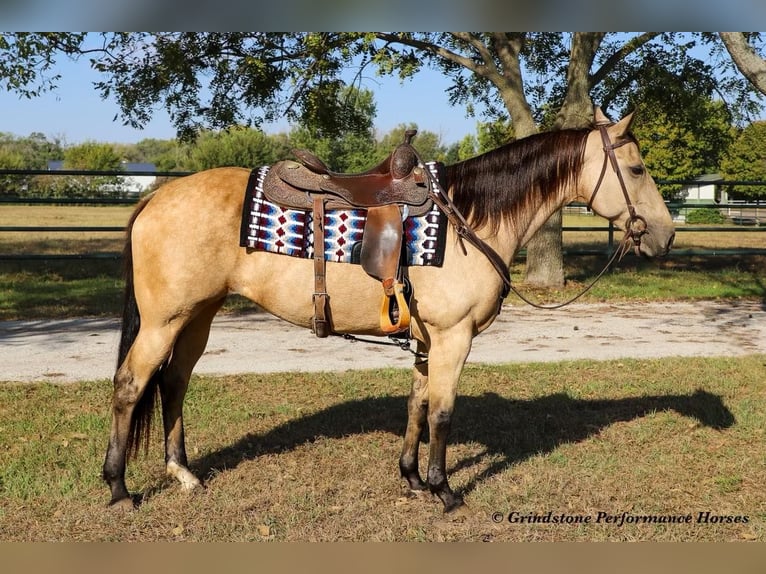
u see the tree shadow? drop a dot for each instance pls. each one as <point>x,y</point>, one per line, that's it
<point>513,430</point>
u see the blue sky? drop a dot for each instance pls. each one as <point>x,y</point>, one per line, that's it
<point>75,112</point>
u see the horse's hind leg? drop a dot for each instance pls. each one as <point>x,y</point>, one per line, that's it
<point>150,349</point>
<point>175,380</point>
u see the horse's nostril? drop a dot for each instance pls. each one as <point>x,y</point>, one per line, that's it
<point>670,241</point>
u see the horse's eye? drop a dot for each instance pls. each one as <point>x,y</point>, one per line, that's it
<point>637,170</point>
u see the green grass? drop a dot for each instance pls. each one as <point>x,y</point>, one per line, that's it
<point>668,283</point>
<point>62,289</point>
<point>292,456</point>
<point>30,295</point>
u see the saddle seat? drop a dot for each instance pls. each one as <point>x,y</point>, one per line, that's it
<point>398,179</point>
<point>397,183</point>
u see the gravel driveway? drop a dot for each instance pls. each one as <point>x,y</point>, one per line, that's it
<point>85,349</point>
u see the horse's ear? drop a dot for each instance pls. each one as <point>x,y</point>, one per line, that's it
<point>599,118</point>
<point>621,128</point>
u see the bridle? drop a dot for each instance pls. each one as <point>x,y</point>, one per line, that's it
<point>636,225</point>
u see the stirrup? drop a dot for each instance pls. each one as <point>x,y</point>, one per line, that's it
<point>394,311</point>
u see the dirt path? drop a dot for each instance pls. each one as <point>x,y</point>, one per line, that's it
<point>85,349</point>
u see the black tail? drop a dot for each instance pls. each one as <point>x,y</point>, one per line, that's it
<point>141,422</point>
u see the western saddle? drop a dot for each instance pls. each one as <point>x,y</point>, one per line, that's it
<point>389,192</point>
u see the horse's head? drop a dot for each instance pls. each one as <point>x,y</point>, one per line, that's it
<point>617,186</point>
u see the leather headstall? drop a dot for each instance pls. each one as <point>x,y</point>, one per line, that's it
<point>636,225</point>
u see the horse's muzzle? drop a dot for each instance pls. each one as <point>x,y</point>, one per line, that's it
<point>650,245</point>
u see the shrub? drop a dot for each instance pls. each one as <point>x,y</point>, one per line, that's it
<point>701,215</point>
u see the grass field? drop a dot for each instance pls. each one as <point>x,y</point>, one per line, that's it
<point>306,457</point>
<point>314,457</point>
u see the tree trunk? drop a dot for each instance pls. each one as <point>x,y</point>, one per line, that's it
<point>545,258</point>
<point>545,251</point>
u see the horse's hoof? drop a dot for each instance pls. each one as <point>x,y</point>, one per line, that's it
<point>188,481</point>
<point>192,487</point>
<point>123,505</point>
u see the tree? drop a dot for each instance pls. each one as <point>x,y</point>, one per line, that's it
<point>215,80</point>
<point>31,152</point>
<point>165,155</point>
<point>745,160</point>
<point>92,156</point>
<point>686,142</point>
<point>350,148</point>
<point>468,146</point>
<point>492,135</point>
<point>238,146</point>
<point>427,143</point>
<point>88,156</point>
<point>746,58</point>
<point>569,69</point>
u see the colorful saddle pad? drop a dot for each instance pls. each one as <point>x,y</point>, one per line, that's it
<point>270,227</point>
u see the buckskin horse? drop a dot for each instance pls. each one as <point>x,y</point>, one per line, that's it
<point>183,257</point>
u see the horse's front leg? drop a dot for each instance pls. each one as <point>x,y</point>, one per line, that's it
<point>446,360</point>
<point>417,409</point>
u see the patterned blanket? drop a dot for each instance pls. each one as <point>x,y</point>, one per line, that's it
<point>269,227</point>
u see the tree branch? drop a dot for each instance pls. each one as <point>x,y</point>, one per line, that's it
<point>747,60</point>
<point>628,48</point>
<point>434,49</point>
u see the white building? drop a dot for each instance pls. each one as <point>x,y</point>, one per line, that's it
<point>129,184</point>
<point>706,190</point>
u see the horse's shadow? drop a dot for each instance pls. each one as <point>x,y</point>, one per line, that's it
<point>512,429</point>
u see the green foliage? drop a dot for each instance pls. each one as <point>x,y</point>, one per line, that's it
<point>704,216</point>
<point>238,146</point>
<point>92,156</point>
<point>745,160</point>
<point>31,152</point>
<point>86,156</point>
<point>35,151</point>
<point>453,154</point>
<point>468,147</point>
<point>492,135</point>
<point>165,155</point>
<point>683,144</point>
<point>427,143</point>
<point>27,59</point>
<point>212,81</point>
<point>351,148</point>
<point>217,80</point>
